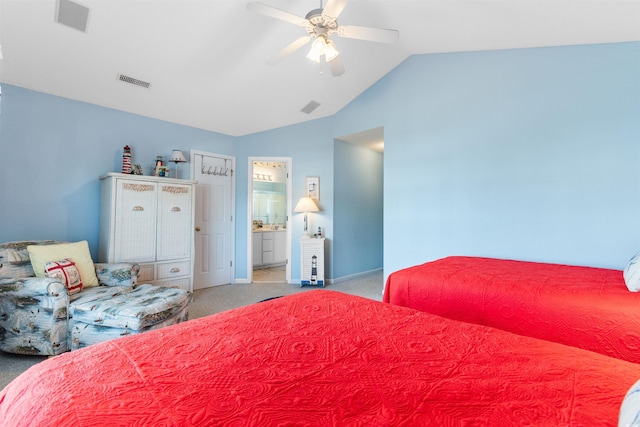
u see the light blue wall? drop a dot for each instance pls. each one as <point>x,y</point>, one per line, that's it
<point>528,154</point>
<point>310,146</point>
<point>59,147</point>
<point>358,208</point>
<point>54,149</point>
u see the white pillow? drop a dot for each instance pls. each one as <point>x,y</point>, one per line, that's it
<point>632,273</point>
<point>630,410</point>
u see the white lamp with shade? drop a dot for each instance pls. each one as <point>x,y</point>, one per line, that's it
<point>306,205</point>
<point>177,157</point>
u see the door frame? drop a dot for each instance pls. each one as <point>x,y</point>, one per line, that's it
<point>289,162</point>
<point>232,237</point>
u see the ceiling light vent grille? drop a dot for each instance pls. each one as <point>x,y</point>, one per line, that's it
<point>310,107</point>
<point>133,81</point>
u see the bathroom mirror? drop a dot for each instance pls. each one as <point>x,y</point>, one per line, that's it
<point>269,194</point>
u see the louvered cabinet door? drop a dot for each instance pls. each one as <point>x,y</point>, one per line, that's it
<point>134,227</point>
<point>175,226</point>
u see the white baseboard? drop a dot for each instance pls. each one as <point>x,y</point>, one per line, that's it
<point>328,281</point>
<point>354,276</point>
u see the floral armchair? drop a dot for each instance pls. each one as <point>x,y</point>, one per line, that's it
<point>34,311</point>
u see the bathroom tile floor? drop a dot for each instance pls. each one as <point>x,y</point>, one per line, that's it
<point>272,274</point>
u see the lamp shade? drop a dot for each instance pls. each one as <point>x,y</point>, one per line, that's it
<point>306,204</point>
<point>314,56</point>
<point>177,157</point>
<point>330,51</point>
<point>318,48</point>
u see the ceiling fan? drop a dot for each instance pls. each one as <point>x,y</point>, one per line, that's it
<point>320,24</point>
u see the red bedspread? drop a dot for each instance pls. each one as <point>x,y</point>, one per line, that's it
<point>584,307</point>
<point>321,358</point>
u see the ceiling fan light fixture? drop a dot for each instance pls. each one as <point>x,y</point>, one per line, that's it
<point>318,48</point>
<point>319,45</point>
<point>313,56</point>
<point>330,51</point>
<point>320,24</point>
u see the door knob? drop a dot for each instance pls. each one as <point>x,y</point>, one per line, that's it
<point>197,228</point>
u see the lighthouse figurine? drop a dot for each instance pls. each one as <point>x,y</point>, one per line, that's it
<point>126,160</point>
<point>314,270</point>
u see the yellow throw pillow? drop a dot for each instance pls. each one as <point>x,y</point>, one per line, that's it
<point>78,252</point>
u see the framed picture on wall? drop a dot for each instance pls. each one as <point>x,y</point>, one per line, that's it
<point>313,187</point>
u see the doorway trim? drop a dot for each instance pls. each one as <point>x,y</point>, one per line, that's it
<point>289,162</point>
<point>232,237</point>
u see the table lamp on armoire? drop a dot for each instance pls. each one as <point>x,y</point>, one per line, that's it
<point>177,157</point>
<point>306,205</point>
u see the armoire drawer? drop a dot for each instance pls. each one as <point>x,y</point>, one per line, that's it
<point>146,273</point>
<point>173,269</point>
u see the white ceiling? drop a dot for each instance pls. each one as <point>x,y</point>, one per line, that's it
<point>206,59</point>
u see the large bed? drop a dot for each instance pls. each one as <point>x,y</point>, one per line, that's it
<point>321,358</point>
<point>585,307</point>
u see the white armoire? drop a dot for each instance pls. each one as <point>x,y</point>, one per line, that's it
<point>149,220</point>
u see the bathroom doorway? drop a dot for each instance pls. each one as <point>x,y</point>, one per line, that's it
<point>269,210</point>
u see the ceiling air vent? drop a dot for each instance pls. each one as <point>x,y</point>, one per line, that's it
<point>308,109</point>
<point>133,81</point>
<point>72,15</point>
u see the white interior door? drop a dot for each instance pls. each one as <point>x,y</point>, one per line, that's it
<point>213,219</point>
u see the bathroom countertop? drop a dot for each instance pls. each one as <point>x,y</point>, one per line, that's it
<point>262,230</point>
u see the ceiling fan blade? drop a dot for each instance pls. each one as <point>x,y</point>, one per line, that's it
<point>333,8</point>
<point>379,35</point>
<point>272,12</point>
<point>336,66</point>
<point>297,44</point>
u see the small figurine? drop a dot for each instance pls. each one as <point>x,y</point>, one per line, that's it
<point>158,167</point>
<point>126,160</point>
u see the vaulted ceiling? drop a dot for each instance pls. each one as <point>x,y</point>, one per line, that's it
<point>206,60</point>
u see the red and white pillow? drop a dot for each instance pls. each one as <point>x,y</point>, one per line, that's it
<point>67,272</point>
